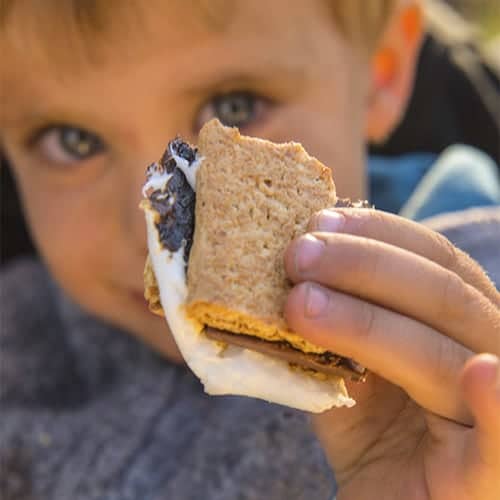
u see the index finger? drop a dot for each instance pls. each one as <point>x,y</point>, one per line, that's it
<point>409,235</point>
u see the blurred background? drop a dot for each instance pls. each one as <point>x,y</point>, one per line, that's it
<point>484,13</point>
<point>456,100</point>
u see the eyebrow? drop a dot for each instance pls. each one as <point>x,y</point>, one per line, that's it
<point>33,118</point>
<point>279,80</point>
<point>283,78</point>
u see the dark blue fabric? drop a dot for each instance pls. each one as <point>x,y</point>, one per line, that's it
<point>421,185</point>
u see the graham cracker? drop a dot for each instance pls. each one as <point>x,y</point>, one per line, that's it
<point>252,198</point>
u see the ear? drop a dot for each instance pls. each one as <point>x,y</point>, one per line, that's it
<point>393,70</point>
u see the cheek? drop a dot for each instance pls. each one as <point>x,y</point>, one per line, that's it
<point>339,144</point>
<point>72,230</point>
<point>87,241</point>
<point>331,133</point>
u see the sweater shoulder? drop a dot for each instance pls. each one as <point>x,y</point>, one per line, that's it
<point>476,231</point>
<point>36,368</point>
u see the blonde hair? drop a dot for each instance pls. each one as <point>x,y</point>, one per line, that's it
<point>84,25</point>
<point>361,21</point>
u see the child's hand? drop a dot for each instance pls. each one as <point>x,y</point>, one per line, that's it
<point>401,300</point>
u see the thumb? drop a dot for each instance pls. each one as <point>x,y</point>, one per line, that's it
<point>480,384</point>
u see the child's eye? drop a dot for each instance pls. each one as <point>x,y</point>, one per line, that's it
<point>65,144</point>
<point>234,109</point>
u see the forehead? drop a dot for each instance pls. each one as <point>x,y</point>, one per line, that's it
<point>65,37</point>
<point>71,33</point>
<point>161,48</point>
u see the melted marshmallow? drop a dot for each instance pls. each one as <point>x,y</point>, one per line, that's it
<point>157,180</point>
<point>189,170</point>
<point>236,370</point>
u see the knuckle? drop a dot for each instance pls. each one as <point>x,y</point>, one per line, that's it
<point>449,359</point>
<point>356,266</point>
<point>364,320</point>
<point>450,252</point>
<point>313,221</point>
<point>455,300</point>
<point>376,216</point>
<point>369,266</point>
<point>458,261</point>
<point>373,264</point>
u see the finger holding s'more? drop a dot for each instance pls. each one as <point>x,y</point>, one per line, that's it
<point>219,218</point>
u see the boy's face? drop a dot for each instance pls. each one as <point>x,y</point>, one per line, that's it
<point>79,138</point>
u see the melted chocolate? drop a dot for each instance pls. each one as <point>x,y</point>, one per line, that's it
<point>328,363</point>
<point>182,149</point>
<point>176,224</point>
<point>175,204</point>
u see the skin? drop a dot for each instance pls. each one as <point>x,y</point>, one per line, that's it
<point>426,423</point>
<point>425,420</point>
<point>95,202</point>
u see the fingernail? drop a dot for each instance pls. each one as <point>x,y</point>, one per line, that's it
<point>307,252</point>
<point>493,374</point>
<point>330,221</point>
<point>496,377</point>
<point>316,301</point>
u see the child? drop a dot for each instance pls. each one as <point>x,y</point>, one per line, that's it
<point>91,91</point>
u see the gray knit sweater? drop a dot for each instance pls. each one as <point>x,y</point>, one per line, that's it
<point>87,412</point>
